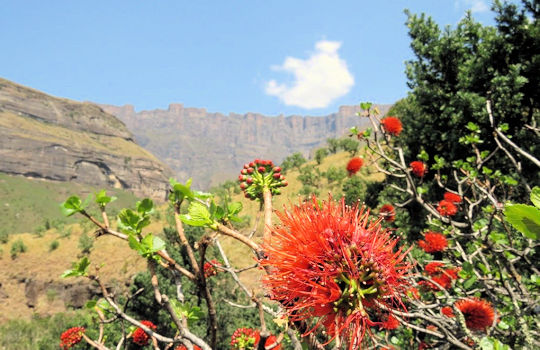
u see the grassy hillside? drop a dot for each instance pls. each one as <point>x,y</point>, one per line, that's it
<point>30,205</point>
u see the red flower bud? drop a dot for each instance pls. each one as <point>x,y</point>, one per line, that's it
<point>276,169</point>
<point>243,185</point>
<point>284,183</point>
<point>244,172</point>
<point>281,177</point>
<point>249,180</point>
<point>276,175</point>
<point>240,178</point>
<point>261,169</point>
<point>246,166</point>
<point>252,164</point>
<point>250,170</point>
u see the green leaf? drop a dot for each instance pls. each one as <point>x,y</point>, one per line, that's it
<point>467,266</point>
<point>354,130</point>
<point>486,344</point>
<point>90,304</point>
<point>71,206</point>
<point>145,206</point>
<point>535,196</point>
<point>198,215</point>
<point>423,156</point>
<point>422,189</point>
<point>524,218</point>
<point>366,105</point>
<point>503,325</point>
<point>134,243</point>
<point>367,132</point>
<point>470,282</point>
<point>102,199</point>
<point>128,221</point>
<point>234,208</point>
<point>78,268</point>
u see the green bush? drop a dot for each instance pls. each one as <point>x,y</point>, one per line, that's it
<point>54,245</point>
<point>86,243</point>
<point>17,247</point>
<point>4,236</point>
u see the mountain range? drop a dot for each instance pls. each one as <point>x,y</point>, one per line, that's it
<point>212,147</point>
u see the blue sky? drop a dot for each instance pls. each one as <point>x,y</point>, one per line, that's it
<point>272,57</point>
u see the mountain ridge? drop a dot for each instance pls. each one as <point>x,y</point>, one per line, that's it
<point>178,134</point>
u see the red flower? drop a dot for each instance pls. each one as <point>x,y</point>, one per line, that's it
<point>447,208</point>
<point>354,165</point>
<point>183,347</point>
<point>447,311</point>
<point>434,242</point>
<point>433,268</point>
<point>271,340</point>
<point>392,125</point>
<point>413,293</point>
<point>390,323</point>
<point>244,338</point>
<point>452,197</point>
<point>140,337</point>
<point>418,168</point>
<point>329,260</point>
<point>388,212</point>
<point>478,313</point>
<point>423,345</point>
<point>71,337</point>
<point>210,268</point>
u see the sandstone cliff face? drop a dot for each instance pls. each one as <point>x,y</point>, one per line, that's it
<point>211,147</point>
<point>57,139</point>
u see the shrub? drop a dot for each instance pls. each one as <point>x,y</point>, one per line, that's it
<point>17,247</point>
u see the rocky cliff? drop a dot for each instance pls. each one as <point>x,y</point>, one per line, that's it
<point>211,147</point>
<point>57,139</point>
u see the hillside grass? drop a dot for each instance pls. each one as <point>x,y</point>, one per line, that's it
<point>31,205</point>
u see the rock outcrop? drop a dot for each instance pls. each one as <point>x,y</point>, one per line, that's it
<point>211,147</point>
<point>58,139</point>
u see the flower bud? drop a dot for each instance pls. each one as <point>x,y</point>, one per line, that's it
<point>277,169</point>
<point>249,180</point>
<point>252,164</point>
<point>281,177</point>
<point>246,166</point>
<point>276,176</point>
<point>261,169</point>
<point>243,185</point>
<point>244,172</point>
<point>250,170</point>
<point>284,183</point>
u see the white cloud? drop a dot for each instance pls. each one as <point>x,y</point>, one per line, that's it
<point>474,5</point>
<point>318,80</point>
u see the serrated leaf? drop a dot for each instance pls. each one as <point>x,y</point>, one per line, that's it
<point>524,218</point>
<point>535,196</point>
<point>134,243</point>
<point>128,221</point>
<point>234,208</point>
<point>71,206</point>
<point>78,268</point>
<point>198,215</point>
<point>102,199</point>
<point>145,206</point>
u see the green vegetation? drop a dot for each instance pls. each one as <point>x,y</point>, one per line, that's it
<point>17,247</point>
<point>24,199</point>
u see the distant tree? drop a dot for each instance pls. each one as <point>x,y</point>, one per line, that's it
<point>349,145</point>
<point>294,161</point>
<point>353,189</point>
<point>310,176</point>
<point>320,154</point>
<point>86,243</point>
<point>333,145</point>
<point>335,175</point>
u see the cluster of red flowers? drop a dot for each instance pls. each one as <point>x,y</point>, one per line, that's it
<point>248,339</point>
<point>418,168</point>
<point>478,313</point>
<point>183,347</point>
<point>258,175</point>
<point>210,268</point>
<point>354,165</point>
<point>388,212</point>
<point>392,125</point>
<point>71,337</point>
<point>331,261</point>
<point>442,276</point>
<point>447,206</point>
<point>433,242</point>
<point>140,337</point>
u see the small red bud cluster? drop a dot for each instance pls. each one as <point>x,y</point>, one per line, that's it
<point>248,339</point>
<point>259,174</point>
<point>140,337</point>
<point>71,337</point>
<point>439,274</point>
<point>210,268</point>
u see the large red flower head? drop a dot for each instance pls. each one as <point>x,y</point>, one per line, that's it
<point>478,313</point>
<point>140,337</point>
<point>392,125</point>
<point>71,337</point>
<point>446,208</point>
<point>387,212</point>
<point>418,168</point>
<point>328,260</point>
<point>452,197</point>
<point>354,165</point>
<point>434,242</point>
